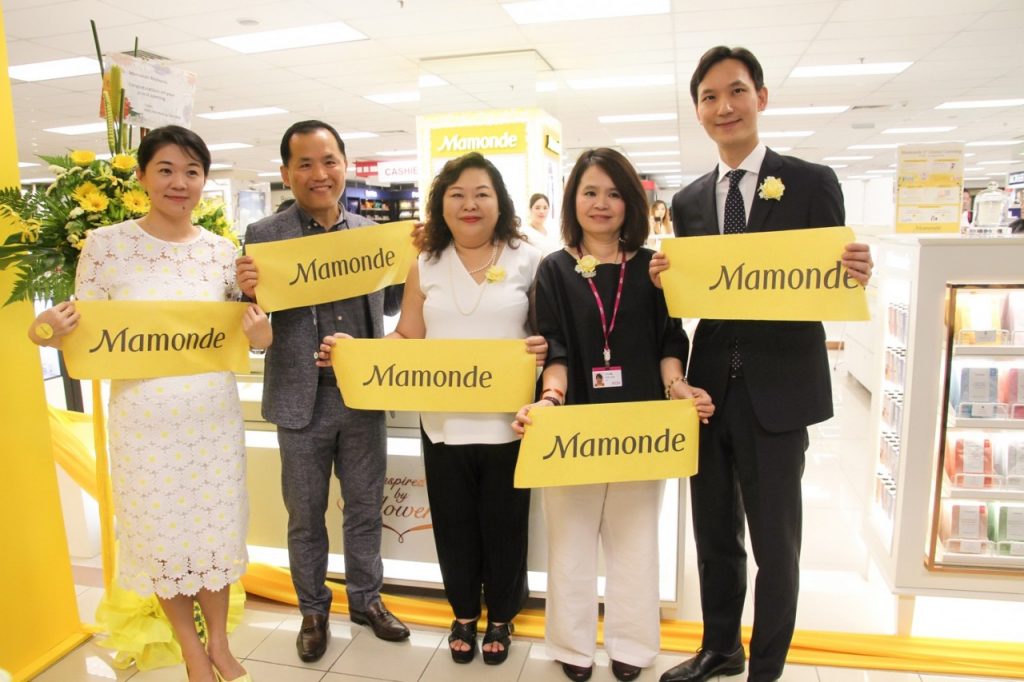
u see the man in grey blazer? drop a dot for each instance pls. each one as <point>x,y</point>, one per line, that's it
<point>316,432</point>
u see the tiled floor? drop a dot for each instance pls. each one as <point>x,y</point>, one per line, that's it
<point>840,591</point>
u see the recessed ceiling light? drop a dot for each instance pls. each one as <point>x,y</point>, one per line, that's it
<point>997,163</point>
<point>654,138</point>
<point>881,171</point>
<point>801,111</point>
<point>785,133</point>
<point>847,158</point>
<point>289,38</point>
<point>395,97</point>
<point>220,166</point>
<point>981,104</point>
<point>976,178</point>
<point>876,69</point>
<point>225,146</point>
<point>56,68</point>
<point>637,118</point>
<point>837,165</point>
<point>892,145</point>
<point>357,135</point>
<point>994,143</point>
<point>621,81</point>
<point>26,164</point>
<point>974,169</point>
<point>996,174</point>
<point>665,153</point>
<point>925,129</point>
<point>81,129</point>
<point>398,152</point>
<point>270,174</point>
<point>547,86</point>
<point>550,11</point>
<point>242,113</point>
<point>429,80</point>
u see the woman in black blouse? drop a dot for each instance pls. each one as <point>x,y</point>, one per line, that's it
<point>610,340</point>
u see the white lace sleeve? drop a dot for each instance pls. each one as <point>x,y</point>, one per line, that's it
<point>90,284</point>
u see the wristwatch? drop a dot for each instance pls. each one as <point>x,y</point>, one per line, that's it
<point>44,330</point>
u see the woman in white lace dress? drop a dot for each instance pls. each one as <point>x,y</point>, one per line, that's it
<point>176,443</point>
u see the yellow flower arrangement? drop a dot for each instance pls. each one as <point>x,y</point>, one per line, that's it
<point>587,266</point>
<point>771,188</point>
<point>136,200</point>
<point>495,274</point>
<point>82,157</point>
<point>94,202</point>
<point>123,162</point>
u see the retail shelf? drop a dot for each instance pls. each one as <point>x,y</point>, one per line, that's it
<point>982,560</point>
<point>988,494</point>
<point>989,351</point>
<point>968,423</point>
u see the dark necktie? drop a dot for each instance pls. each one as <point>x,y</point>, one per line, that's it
<point>735,221</point>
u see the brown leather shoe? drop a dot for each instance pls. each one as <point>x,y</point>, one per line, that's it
<point>383,622</point>
<point>313,637</point>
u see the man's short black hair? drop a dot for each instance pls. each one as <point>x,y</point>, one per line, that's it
<point>301,128</point>
<point>719,54</point>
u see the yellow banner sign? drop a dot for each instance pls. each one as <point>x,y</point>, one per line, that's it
<point>435,375</point>
<point>500,138</point>
<point>333,266</point>
<point>146,339</point>
<point>608,443</point>
<point>784,275</point>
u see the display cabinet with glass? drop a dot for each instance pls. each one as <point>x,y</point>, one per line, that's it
<point>979,516</point>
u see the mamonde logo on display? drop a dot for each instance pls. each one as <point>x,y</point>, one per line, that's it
<point>509,138</point>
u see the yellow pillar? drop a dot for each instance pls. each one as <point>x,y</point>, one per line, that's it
<point>38,612</point>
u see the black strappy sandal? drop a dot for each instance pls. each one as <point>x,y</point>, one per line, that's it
<point>500,634</point>
<point>463,632</point>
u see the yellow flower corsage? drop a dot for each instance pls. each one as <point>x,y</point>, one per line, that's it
<point>587,266</point>
<point>772,188</point>
<point>494,274</point>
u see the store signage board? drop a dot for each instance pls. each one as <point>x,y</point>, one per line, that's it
<point>366,169</point>
<point>435,375</point>
<point>501,138</point>
<point>1015,179</point>
<point>793,275</point>
<point>157,94</point>
<point>929,188</point>
<point>608,443</point>
<point>146,339</point>
<point>333,266</point>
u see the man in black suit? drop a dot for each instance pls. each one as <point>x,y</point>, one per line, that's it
<point>769,380</point>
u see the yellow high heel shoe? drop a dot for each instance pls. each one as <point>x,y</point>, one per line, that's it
<point>220,678</point>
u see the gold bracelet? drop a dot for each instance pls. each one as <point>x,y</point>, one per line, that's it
<point>669,385</point>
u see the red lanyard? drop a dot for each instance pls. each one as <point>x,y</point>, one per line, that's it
<point>606,329</point>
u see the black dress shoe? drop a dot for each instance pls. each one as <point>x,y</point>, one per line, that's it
<point>625,671</point>
<point>577,672</point>
<point>383,622</point>
<point>313,637</point>
<point>705,665</point>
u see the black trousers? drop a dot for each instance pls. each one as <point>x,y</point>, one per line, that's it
<point>481,524</point>
<point>744,469</point>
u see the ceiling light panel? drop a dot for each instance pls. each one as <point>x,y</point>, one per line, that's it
<point>637,118</point>
<point>242,113</point>
<point>550,11</point>
<point>56,68</point>
<point>290,38</point>
<point>81,129</point>
<point>981,104</point>
<point>922,129</point>
<point>839,70</point>
<point>803,111</point>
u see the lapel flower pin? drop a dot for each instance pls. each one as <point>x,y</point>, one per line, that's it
<point>586,266</point>
<point>495,274</point>
<point>772,188</point>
